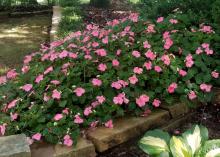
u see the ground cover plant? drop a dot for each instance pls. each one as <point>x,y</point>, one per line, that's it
<point>90,77</point>
<point>193,143</point>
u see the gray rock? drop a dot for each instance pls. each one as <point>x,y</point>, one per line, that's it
<point>14,146</point>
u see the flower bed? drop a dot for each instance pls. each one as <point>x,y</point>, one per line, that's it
<point>91,77</point>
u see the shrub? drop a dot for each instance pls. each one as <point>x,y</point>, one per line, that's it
<point>193,143</point>
<point>100,3</point>
<point>93,76</point>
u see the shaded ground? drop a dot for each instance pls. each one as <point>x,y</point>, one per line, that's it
<point>20,36</point>
<point>208,116</point>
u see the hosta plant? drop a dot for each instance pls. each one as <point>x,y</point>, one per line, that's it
<point>92,76</point>
<point>193,143</point>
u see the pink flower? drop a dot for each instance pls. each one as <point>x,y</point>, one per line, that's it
<point>118,100</point>
<point>27,87</point>
<point>63,54</point>
<point>156,103</point>
<point>207,29</point>
<point>215,74</point>
<point>172,87</point>
<point>149,54</point>
<point>13,116</point>
<point>148,65</point>
<point>101,52</point>
<point>116,85</point>
<point>189,61</point>
<point>168,43</point>
<point>136,54</point>
<point>48,70</point>
<point>2,129</point>
<point>134,17</point>
<point>96,82</point>
<point>142,100</point>
<point>105,40</point>
<point>12,104</point>
<point>78,119</point>
<point>94,124</point>
<point>160,19</point>
<point>36,136</point>
<point>205,45</point>
<point>166,35</point>
<point>100,99</point>
<point>46,98</point>
<point>137,70</point>
<point>182,73</point>
<point>95,33</point>
<point>165,59</point>
<point>56,94</point>
<point>157,69</point>
<point>173,21</point>
<point>58,117</point>
<point>146,45</point>
<point>209,51</point>
<point>199,50</point>
<point>25,69</point>
<point>68,141</point>
<point>205,87</point>
<point>12,74</point>
<point>192,95</point>
<point>39,78</point>
<point>109,124</point>
<point>79,91</point>
<point>115,62</point>
<point>87,111</point>
<point>118,52</point>
<point>133,79</point>
<point>27,59</point>
<point>73,55</point>
<point>3,80</point>
<point>55,82</point>
<point>102,67</point>
<point>66,111</point>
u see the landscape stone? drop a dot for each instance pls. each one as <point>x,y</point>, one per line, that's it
<point>14,146</point>
<point>125,129</point>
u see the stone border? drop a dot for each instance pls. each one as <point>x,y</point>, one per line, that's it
<point>57,16</point>
<point>17,14</point>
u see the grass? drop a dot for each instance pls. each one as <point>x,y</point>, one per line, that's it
<point>134,1</point>
<point>19,37</point>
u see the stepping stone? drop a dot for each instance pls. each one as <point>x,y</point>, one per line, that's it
<point>83,148</point>
<point>14,146</point>
<point>126,128</point>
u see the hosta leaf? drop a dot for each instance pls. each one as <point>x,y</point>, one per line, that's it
<point>195,137</point>
<point>211,148</point>
<point>179,147</point>
<point>155,143</point>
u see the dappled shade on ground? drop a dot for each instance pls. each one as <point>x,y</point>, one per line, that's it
<point>21,36</point>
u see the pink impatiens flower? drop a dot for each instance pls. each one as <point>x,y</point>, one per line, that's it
<point>101,52</point>
<point>115,63</point>
<point>96,82</point>
<point>58,117</point>
<point>25,69</point>
<point>142,100</point>
<point>172,87</point>
<point>168,43</point>
<point>48,70</point>
<point>12,104</point>
<point>78,119</point>
<point>55,82</point>
<point>149,54</point>
<point>157,69</point>
<point>120,99</point>
<point>189,61</point>
<point>12,74</point>
<point>109,124</point>
<point>2,129</point>
<point>136,54</point>
<point>39,78</point>
<point>100,99</point>
<point>146,45</point>
<point>133,79</point>
<point>3,80</point>
<point>13,116</point>
<point>87,111</point>
<point>56,94</point>
<point>137,70</point>
<point>215,74</point>
<point>156,102</point>
<point>79,91</point>
<point>160,19</point>
<point>36,137</point>
<point>205,87</point>
<point>67,141</point>
<point>173,21</point>
<point>27,87</point>
<point>192,95</point>
<point>182,73</point>
<point>148,65</point>
<point>165,59</point>
<point>102,67</point>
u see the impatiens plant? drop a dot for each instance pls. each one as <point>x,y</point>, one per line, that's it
<point>93,76</point>
<point>193,143</point>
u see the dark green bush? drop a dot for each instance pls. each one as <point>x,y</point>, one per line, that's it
<point>100,3</point>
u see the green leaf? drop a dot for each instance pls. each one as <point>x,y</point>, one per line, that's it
<point>155,143</point>
<point>211,148</point>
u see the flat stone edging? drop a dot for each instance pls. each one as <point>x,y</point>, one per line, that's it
<point>16,14</point>
<point>57,16</point>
